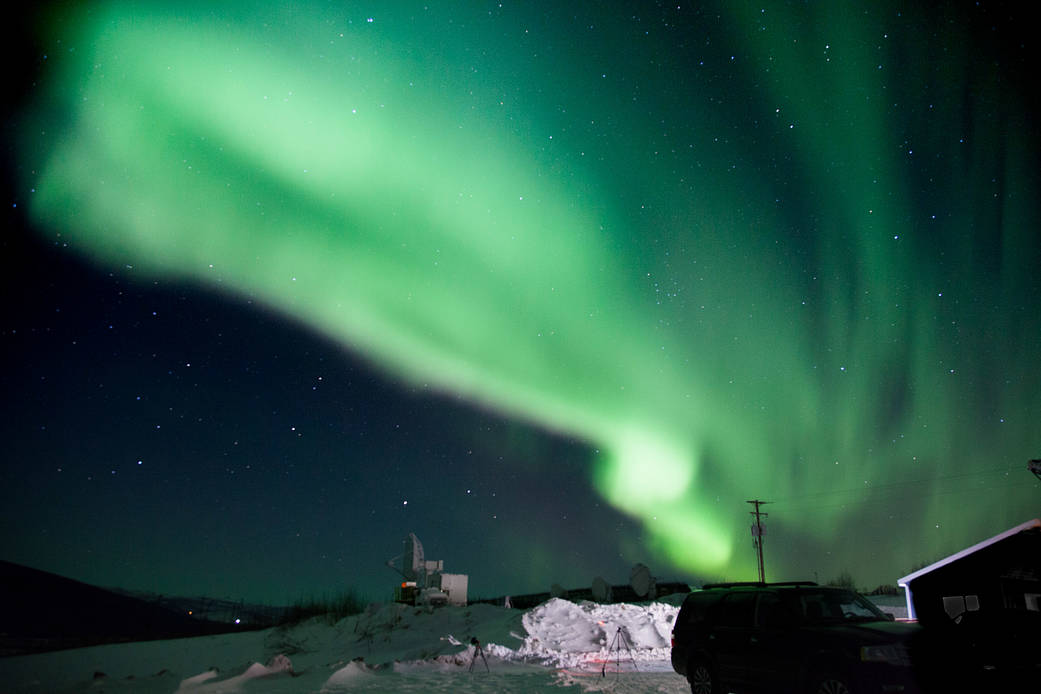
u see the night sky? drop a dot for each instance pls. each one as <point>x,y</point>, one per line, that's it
<point>556,286</point>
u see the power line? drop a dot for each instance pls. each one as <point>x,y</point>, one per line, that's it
<point>878,499</point>
<point>905,485</point>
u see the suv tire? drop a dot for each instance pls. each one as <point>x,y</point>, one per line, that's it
<point>702,679</point>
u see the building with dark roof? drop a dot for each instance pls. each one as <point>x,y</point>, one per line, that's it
<point>999,574</point>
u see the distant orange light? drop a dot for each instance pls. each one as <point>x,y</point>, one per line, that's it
<point>404,584</point>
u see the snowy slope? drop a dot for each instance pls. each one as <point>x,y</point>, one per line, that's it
<point>389,648</point>
<point>392,647</point>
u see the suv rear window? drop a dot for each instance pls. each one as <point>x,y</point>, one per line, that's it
<point>696,606</point>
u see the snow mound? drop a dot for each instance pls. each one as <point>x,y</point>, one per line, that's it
<point>348,676</point>
<point>204,683</point>
<point>194,682</point>
<point>559,625</point>
<point>568,635</point>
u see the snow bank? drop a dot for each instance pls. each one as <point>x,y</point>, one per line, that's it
<point>348,677</point>
<point>390,647</point>
<point>206,682</point>
<point>568,635</point>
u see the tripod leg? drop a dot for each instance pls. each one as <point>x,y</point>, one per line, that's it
<point>614,646</point>
<point>629,647</point>
<point>478,651</point>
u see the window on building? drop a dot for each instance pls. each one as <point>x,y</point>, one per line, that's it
<point>957,605</point>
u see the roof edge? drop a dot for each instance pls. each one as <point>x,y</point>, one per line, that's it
<point>1035,523</point>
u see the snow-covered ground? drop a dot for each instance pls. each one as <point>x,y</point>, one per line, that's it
<point>390,648</point>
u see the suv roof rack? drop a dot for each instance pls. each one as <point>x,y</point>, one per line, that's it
<point>756,584</point>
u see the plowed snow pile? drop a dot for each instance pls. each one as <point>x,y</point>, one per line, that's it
<point>563,634</point>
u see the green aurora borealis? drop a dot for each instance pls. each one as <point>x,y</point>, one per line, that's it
<point>788,254</point>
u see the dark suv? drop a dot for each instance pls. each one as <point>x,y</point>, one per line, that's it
<point>789,637</point>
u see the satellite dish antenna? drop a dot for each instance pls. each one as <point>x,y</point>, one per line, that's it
<point>414,552</point>
<point>641,581</point>
<point>601,590</point>
<point>410,562</point>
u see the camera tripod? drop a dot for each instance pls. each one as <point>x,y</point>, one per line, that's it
<point>621,639</point>
<point>478,651</point>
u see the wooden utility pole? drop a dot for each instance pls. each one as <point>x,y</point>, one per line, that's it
<point>757,535</point>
